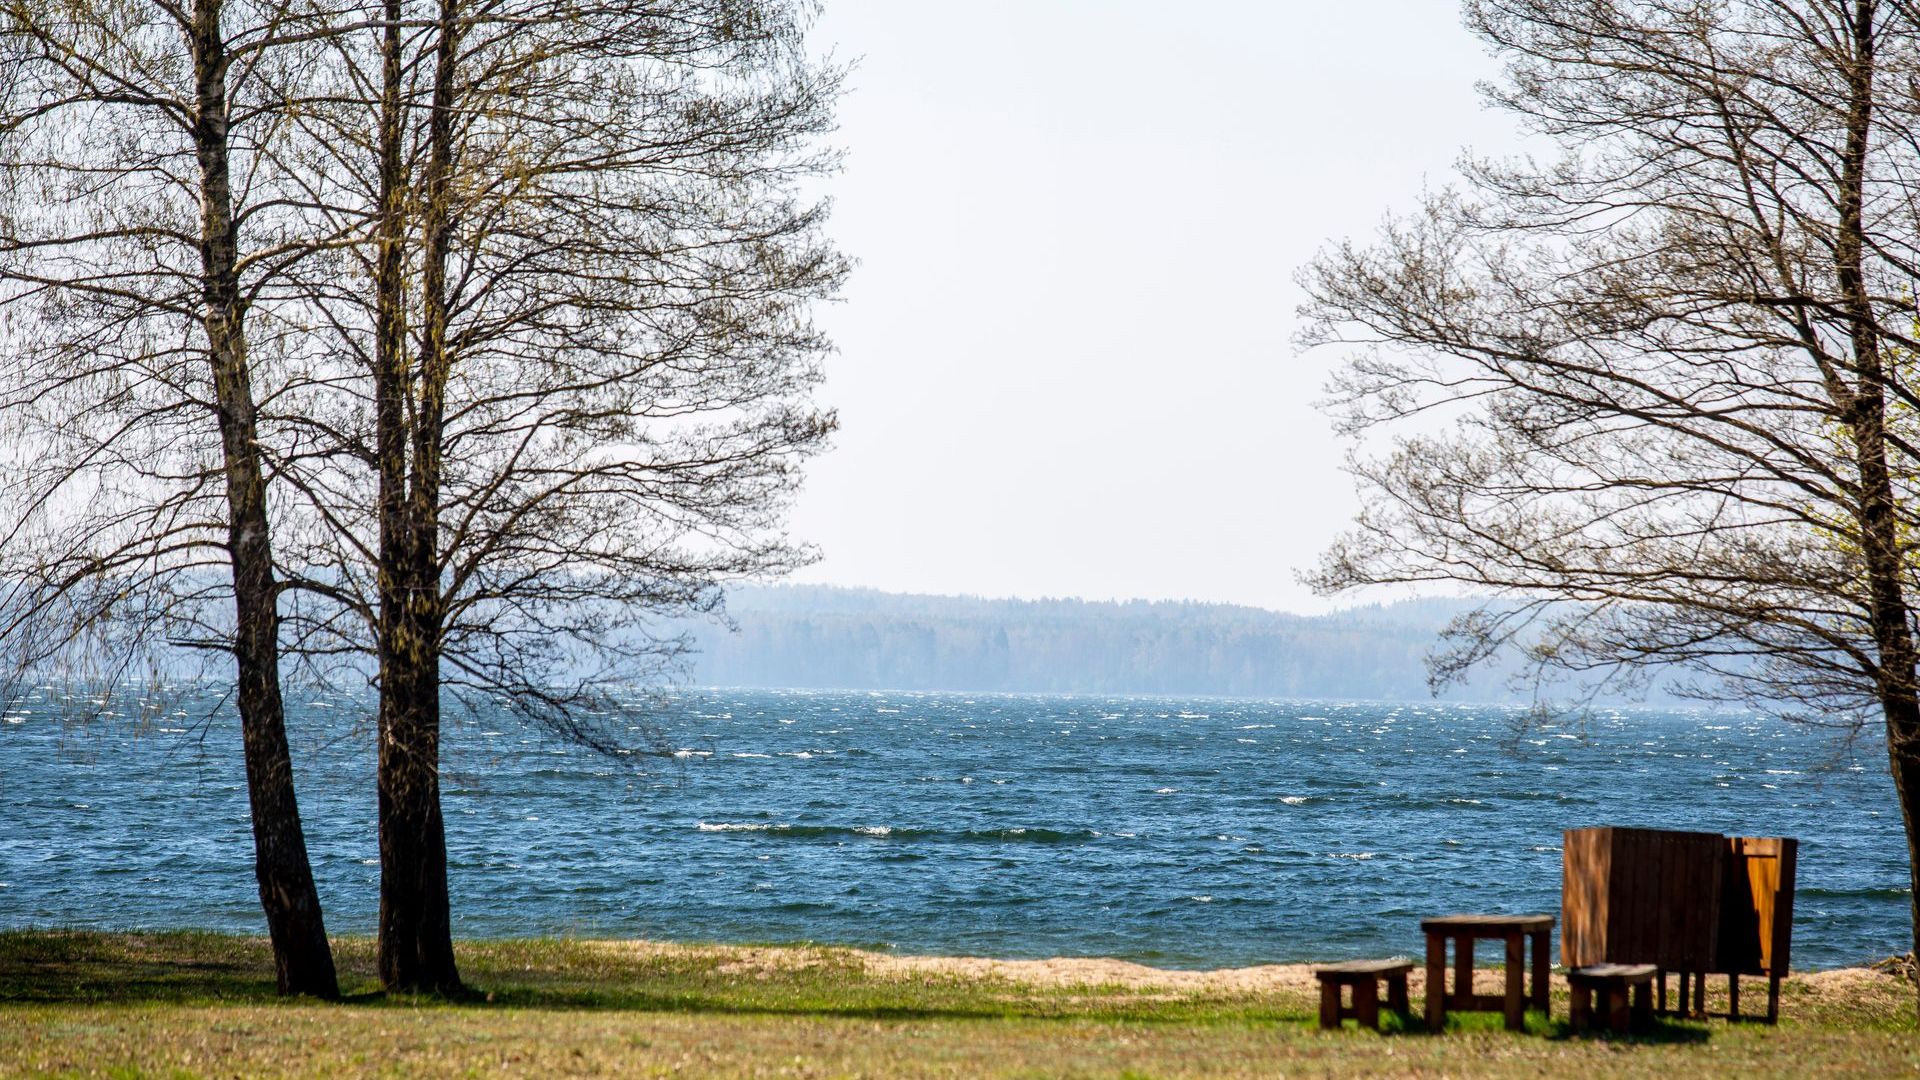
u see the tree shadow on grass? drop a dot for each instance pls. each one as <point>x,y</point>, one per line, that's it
<point>80,967</point>
<point>1662,1031</point>
<point>67,968</point>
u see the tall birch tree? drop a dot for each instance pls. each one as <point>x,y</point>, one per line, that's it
<point>577,331</point>
<point>142,222</point>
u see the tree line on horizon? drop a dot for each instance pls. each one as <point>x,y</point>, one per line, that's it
<point>828,638</point>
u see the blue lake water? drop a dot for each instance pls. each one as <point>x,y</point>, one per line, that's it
<point>1193,833</point>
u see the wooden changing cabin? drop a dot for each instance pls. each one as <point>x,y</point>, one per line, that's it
<point>1687,902</point>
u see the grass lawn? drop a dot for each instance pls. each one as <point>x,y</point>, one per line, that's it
<point>177,1005</point>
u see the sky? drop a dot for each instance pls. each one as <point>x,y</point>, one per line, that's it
<point>1065,361</point>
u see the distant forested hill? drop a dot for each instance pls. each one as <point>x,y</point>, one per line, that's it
<point>831,638</point>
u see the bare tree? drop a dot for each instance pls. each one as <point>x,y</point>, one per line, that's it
<point>575,363</point>
<point>1669,375</point>
<point>138,230</point>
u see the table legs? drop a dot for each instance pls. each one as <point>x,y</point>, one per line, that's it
<point>1540,973</point>
<point>1397,994</point>
<point>1366,1003</point>
<point>1516,1003</point>
<point>1436,982</point>
<point>1518,996</point>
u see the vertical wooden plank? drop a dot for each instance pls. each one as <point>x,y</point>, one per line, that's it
<point>1573,904</point>
<point>1763,878</point>
<point>1691,901</point>
<point>1329,1003</point>
<point>1397,993</point>
<point>1738,943</point>
<point>1601,914</point>
<point>1660,875</point>
<point>1780,932</point>
<point>1585,865</point>
<point>1713,878</point>
<point>1626,896</point>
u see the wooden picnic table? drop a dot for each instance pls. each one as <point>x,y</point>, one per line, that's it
<point>1517,931</point>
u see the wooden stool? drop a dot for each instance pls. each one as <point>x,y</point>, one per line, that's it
<point>1365,977</point>
<point>1612,981</point>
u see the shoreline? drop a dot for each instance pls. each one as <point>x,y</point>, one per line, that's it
<point>1287,985</point>
<point>1089,972</point>
<point>886,962</point>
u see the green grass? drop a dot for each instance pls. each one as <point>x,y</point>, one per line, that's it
<point>175,1005</point>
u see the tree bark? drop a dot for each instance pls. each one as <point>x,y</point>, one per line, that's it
<point>1882,551</point>
<point>416,937</point>
<point>303,961</point>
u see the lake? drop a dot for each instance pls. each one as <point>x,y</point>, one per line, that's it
<point>1176,832</point>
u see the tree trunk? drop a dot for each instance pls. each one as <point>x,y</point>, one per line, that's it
<point>1903,752</point>
<point>416,933</point>
<point>303,961</point>
<point>1882,550</point>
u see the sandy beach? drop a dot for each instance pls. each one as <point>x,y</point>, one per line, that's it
<point>1834,986</point>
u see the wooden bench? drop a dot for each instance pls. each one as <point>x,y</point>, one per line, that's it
<point>1364,976</point>
<point>1612,982</point>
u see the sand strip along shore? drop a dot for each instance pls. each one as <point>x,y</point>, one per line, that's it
<point>1101,973</point>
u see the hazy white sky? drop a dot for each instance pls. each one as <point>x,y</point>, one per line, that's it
<point>1065,360</point>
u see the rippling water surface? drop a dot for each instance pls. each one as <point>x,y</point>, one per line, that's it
<point>1177,832</point>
